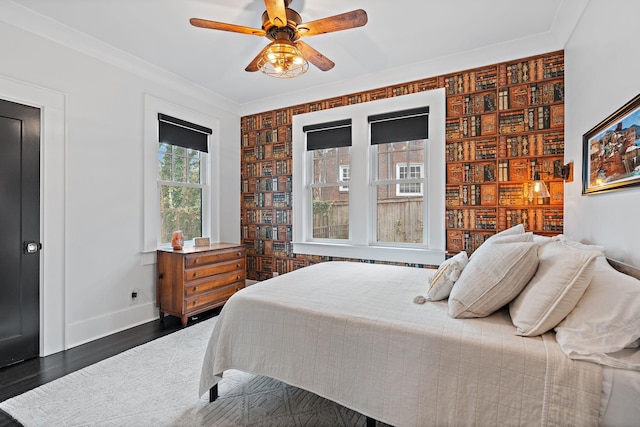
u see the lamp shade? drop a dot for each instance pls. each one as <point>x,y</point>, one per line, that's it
<point>538,189</point>
<point>282,59</point>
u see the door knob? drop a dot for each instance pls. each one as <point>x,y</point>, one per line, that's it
<point>32,247</point>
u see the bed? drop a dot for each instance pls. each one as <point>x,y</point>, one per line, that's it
<point>357,334</point>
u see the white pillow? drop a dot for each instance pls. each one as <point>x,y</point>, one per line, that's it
<point>496,274</point>
<point>513,234</point>
<point>564,273</point>
<point>516,230</point>
<point>578,245</point>
<point>604,326</point>
<point>541,240</point>
<point>446,275</point>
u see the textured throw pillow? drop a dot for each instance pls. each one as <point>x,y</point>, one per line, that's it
<point>574,244</point>
<point>541,240</point>
<point>516,229</point>
<point>604,326</point>
<point>513,234</point>
<point>494,276</point>
<point>563,275</point>
<point>446,275</point>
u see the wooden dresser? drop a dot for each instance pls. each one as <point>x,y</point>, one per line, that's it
<point>197,279</point>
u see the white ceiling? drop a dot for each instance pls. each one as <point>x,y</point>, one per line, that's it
<point>399,36</point>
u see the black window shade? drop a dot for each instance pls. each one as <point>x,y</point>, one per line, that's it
<point>328,135</point>
<point>398,126</point>
<point>185,134</point>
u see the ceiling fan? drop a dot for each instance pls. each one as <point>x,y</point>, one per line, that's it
<point>287,55</point>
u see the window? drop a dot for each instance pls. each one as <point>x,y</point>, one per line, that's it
<point>181,191</point>
<point>328,154</point>
<point>399,195</point>
<point>182,152</point>
<point>344,177</point>
<point>393,183</point>
<point>398,141</point>
<point>210,168</point>
<point>407,173</point>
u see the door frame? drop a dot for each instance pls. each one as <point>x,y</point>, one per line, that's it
<point>53,159</point>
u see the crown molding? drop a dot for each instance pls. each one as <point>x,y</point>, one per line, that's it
<point>556,38</point>
<point>28,20</point>
<point>493,54</point>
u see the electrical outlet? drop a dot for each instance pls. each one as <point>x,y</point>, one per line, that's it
<point>134,297</point>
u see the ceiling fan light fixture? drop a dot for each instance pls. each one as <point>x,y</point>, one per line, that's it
<point>283,60</point>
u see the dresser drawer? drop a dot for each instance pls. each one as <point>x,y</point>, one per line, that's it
<point>207,284</point>
<point>213,269</point>
<point>210,298</point>
<point>195,260</point>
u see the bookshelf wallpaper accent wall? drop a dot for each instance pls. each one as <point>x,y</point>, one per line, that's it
<point>504,122</point>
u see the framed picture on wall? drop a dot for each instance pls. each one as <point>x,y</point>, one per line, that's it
<point>611,151</point>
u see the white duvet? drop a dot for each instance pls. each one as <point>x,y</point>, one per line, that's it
<point>351,332</point>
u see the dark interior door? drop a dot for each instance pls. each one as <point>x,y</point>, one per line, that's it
<point>19,232</point>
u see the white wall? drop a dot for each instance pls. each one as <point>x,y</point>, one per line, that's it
<point>602,69</point>
<point>98,207</point>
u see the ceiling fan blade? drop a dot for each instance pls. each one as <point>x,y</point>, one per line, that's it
<point>277,13</point>
<point>253,65</point>
<point>315,57</point>
<point>213,25</point>
<point>344,21</point>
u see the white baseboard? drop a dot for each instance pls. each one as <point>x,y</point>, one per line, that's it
<point>101,326</point>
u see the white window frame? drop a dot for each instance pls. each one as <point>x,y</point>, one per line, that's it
<point>151,202</point>
<point>399,191</point>
<point>362,243</point>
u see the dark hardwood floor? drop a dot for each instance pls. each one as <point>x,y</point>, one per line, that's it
<point>24,376</point>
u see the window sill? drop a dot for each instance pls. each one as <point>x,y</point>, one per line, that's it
<point>423,256</point>
<point>149,255</point>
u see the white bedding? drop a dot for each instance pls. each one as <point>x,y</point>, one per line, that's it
<point>620,405</point>
<point>351,332</point>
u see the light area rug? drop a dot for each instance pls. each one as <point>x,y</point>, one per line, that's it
<point>156,384</point>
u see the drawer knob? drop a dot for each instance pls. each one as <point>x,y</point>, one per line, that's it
<point>195,274</point>
<point>195,302</point>
<point>239,253</point>
<point>238,265</point>
<point>195,289</point>
<point>197,261</point>
<point>238,277</point>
